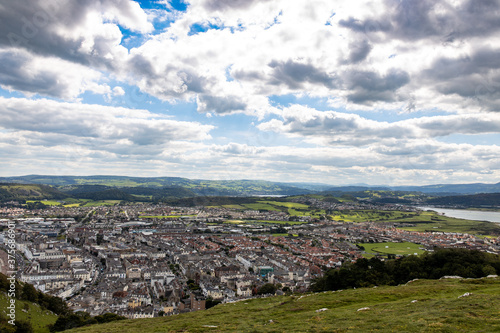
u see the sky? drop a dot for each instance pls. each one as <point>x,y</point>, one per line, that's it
<point>393,92</point>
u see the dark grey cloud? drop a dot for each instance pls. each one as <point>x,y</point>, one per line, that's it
<point>39,26</point>
<point>246,75</point>
<point>294,75</point>
<point>366,26</point>
<point>414,20</point>
<point>474,76</point>
<point>14,74</point>
<point>221,105</point>
<point>169,82</point>
<point>365,86</point>
<point>358,51</point>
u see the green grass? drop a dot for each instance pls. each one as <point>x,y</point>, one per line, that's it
<point>287,204</point>
<point>102,203</point>
<point>369,215</point>
<point>39,318</point>
<point>234,207</point>
<point>163,216</point>
<point>438,308</point>
<point>260,206</point>
<point>47,202</point>
<point>264,222</point>
<point>72,205</point>
<point>405,248</point>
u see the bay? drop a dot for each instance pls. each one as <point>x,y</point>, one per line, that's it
<point>477,215</point>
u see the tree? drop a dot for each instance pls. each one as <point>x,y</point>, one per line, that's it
<point>23,326</point>
<point>267,288</point>
<point>29,293</point>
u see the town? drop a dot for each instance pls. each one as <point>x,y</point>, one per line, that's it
<point>148,260</point>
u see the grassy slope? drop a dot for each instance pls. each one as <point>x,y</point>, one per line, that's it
<point>39,318</point>
<point>438,309</point>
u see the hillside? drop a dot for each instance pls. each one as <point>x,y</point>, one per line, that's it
<point>474,200</point>
<point>448,189</point>
<point>29,192</point>
<point>27,311</point>
<point>197,186</point>
<point>422,305</point>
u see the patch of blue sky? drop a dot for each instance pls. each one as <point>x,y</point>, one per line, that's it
<point>197,28</point>
<point>328,22</point>
<point>131,39</point>
<point>177,5</point>
<point>392,116</point>
<point>488,139</point>
<point>239,27</point>
<point>242,129</point>
<point>318,103</point>
<point>229,78</point>
<point>11,94</point>
<point>275,21</point>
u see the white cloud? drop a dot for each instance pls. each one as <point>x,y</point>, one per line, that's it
<point>51,123</point>
<point>331,127</point>
<point>412,57</point>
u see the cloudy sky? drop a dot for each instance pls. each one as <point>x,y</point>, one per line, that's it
<point>339,92</point>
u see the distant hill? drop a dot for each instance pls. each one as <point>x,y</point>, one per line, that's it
<point>450,189</point>
<point>449,305</point>
<point>139,193</point>
<point>9,192</point>
<point>170,188</point>
<point>198,187</point>
<point>474,200</point>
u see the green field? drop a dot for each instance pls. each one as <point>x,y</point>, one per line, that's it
<point>431,221</point>
<point>39,318</point>
<point>369,215</point>
<point>239,207</point>
<point>101,203</point>
<point>164,216</point>
<point>405,248</point>
<point>420,221</point>
<point>260,206</point>
<point>287,204</point>
<point>47,202</point>
<point>420,306</point>
<point>264,222</point>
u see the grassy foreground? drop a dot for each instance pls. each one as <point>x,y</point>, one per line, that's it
<point>419,306</point>
<point>27,311</point>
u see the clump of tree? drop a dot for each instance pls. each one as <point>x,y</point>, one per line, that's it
<point>267,288</point>
<point>20,326</point>
<point>442,262</point>
<point>210,302</point>
<point>73,320</point>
